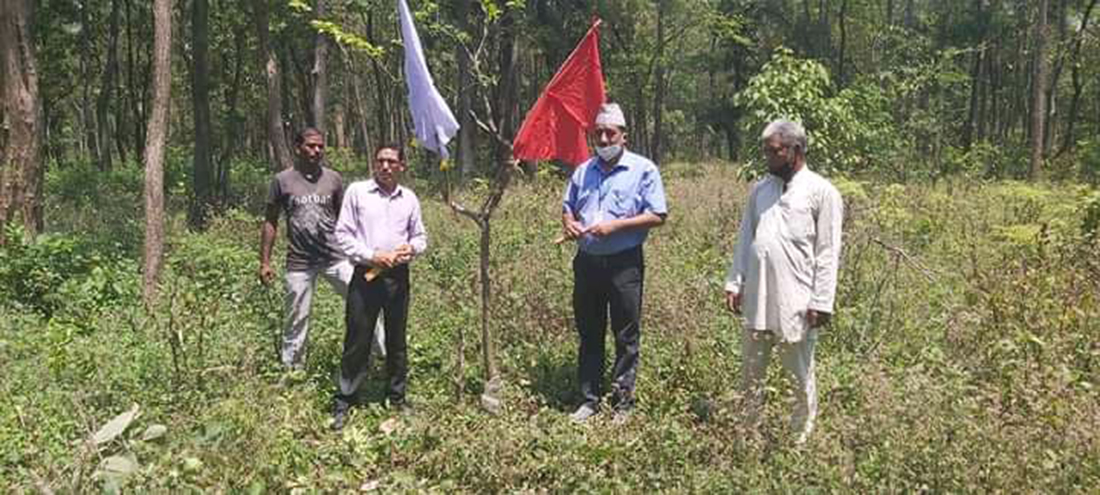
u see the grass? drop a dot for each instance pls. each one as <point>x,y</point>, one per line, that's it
<point>962,358</point>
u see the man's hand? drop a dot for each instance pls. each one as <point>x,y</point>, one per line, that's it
<point>817,318</point>
<point>572,228</point>
<point>384,259</point>
<point>733,302</point>
<point>603,228</point>
<point>266,274</point>
<point>404,253</point>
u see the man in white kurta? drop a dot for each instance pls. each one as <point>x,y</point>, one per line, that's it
<point>782,278</point>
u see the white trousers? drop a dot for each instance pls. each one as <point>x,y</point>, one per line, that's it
<point>798,361</point>
<point>300,285</point>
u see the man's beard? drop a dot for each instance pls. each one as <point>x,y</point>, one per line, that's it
<point>784,172</point>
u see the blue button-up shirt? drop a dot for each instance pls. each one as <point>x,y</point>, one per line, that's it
<point>631,188</point>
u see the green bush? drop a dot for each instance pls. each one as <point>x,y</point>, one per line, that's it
<point>57,272</point>
<point>1088,152</point>
<point>849,131</point>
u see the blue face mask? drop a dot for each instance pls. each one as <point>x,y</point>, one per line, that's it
<point>608,153</point>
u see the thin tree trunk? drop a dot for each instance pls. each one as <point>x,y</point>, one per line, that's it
<point>234,122</point>
<point>360,107</point>
<point>203,166</point>
<point>1051,117</point>
<point>106,91</point>
<point>155,147</point>
<point>841,76</point>
<point>20,164</point>
<point>318,75</point>
<point>1078,84</point>
<point>381,93</point>
<point>506,104</point>
<point>1038,95</point>
<point>89,144</point>
<point>975,79</point>
<point>280,152</point>
<point>466,129</point>
<point>659,84</point>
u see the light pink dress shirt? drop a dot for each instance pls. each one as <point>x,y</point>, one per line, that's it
<point>371,220</point>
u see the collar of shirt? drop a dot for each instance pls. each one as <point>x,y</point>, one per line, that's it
<point>623,163</point>
<point>798,178</point>
<point>373,187</point>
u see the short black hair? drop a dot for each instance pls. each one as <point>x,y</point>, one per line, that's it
<point>307,131</point>
<point>390,146</point>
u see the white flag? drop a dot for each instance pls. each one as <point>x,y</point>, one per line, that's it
<point>435,124</point>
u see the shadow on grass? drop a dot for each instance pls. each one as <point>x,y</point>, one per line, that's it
<point>553,377</point>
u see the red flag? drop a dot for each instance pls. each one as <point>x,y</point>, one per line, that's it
<point>556,126</point>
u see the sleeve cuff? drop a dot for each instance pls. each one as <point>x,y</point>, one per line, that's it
<point>362,258</point>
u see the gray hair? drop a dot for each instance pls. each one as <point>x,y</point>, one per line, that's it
<point>791,134</point>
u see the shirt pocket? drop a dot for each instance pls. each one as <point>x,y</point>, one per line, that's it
<point>800,222</point>
<point>621,204</point>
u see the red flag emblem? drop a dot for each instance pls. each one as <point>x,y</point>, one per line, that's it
<point>556,126</point>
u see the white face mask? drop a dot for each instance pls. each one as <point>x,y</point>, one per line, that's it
<point>609,153</point>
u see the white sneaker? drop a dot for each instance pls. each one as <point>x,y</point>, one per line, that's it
<point>583,413</point>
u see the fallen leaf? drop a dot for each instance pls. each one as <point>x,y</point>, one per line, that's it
<point>117,468</point>
<point>154,432</point>
<point>115,426</point>
<point>369,486</point>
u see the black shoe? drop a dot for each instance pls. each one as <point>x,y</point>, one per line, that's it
<point>340,409</point>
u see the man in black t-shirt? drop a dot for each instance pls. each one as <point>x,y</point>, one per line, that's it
<point>309,194</point>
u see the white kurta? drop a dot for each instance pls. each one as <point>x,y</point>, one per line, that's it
<point>788,251</point>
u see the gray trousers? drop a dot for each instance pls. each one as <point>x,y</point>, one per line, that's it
<point>300,285</point>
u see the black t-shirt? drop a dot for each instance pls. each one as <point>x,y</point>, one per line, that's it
<point>311,205</point>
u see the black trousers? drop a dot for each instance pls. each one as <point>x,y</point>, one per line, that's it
<point>389,291</point>
<point>602,285</point>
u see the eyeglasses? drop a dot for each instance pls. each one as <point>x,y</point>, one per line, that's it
<point>772,150</point>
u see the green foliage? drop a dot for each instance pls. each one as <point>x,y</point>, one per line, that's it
<point>350,40</point>
<point>63,274</point>
<point>1090,208</point>
<point>1089,156</point>
<point>845,130</point>
<point>961,359</point>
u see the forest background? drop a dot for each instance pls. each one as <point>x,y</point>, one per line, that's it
<point>138,138</point>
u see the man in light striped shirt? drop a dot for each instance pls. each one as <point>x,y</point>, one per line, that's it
<point>380,231</point>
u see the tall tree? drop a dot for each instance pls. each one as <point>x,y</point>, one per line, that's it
<point>318,75</point>
<point>276,137</point>
<point>659,83</point>
<point>156,136</point>
<point>203,166</point>
<point>20,167</point>
<point>1075,73</point>
<point>107,91</point>
<point>466,130</point>
<point>1038,91</point>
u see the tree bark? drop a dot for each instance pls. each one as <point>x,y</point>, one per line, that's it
<point>1075,75</point>
<point>106,91</point>
<point>203,166</point>
<point>507,90</point>
<point>318,75</point>
<point>20,164</point>
<point>280,151</point>
<point>155,146</point>
<point>659,84</point>
<point>466,129</point>
<point>1038,93</point>
<point>841,76</point>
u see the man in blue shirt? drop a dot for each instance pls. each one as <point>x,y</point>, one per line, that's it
<point>610,203</point>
